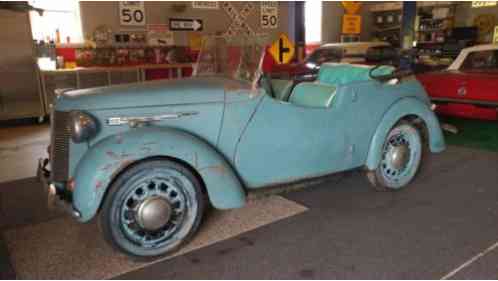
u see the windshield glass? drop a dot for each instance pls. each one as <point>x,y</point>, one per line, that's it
<point>322,55</point>
<point>236,58</point>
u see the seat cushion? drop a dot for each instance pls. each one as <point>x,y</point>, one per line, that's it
<point>312,95</point>
<point>336,74</point>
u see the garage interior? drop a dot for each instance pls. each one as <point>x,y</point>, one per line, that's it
<point>443,225</point>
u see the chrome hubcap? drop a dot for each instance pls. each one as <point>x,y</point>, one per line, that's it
<point>399,156</point>
<point>154,213</point>
<point>396,157</point>
<point>155,209</point>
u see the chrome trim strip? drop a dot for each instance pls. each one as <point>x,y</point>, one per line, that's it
<point>466,101</point>
<point>118,121</point>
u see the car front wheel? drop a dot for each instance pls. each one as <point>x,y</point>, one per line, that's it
<point>401,157</point>
<point>152,208</point>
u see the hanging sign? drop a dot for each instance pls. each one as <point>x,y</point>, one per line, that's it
<point>351,24</point>
<point>132,13</point>
<point>185,24</point>
<point>480,4</point>
<point>269,14</point>
<point>351,7</point>
<point>282,50</point>
<point>206,5</point>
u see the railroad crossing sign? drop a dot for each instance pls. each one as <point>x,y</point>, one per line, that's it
<point>282,50</point>
<point>238,25</point>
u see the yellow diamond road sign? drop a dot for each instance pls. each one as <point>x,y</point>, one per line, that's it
<point>351,7</point>
<point>282,50</point>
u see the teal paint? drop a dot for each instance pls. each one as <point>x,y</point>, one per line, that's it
<point>310,94</point>
<point>105,159</point>
<point>405,107</point>
<point>285,142</point>
<point>151,93</point>
<point>241,138</point>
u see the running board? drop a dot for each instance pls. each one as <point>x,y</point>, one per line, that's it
<point>266,191</point>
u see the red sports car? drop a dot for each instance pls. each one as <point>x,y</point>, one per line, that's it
<point>469,86</point>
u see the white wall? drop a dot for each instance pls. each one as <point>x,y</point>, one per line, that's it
<point>95,13</point>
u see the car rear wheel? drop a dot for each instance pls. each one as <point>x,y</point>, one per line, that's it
<point>401,157</point>
<point>152,208</point>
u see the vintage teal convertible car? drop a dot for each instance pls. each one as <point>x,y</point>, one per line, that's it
<point>149,158</point>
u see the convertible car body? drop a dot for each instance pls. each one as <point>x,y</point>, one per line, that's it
<point>148,157</point>
<point>469,87</point>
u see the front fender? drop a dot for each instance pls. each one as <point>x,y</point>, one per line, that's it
<point>400,109</point>
<point>104,160</point>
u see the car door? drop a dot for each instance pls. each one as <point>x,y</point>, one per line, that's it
<point>480,77</point>
<point>442,85</point>
<point>284,142</point>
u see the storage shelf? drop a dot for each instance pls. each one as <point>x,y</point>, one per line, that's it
<point>433,30</point>
<point>380,29</point>
<point>431,19</point>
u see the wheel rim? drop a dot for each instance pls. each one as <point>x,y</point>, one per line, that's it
<point>155,211</point>
<point>400,157</point>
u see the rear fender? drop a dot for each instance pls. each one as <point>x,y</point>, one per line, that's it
<point>402,108</point>
<point>107,158</point>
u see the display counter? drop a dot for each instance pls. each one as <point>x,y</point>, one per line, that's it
<point>98,76</point>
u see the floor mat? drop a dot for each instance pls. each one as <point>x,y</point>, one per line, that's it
<point>472,133</point>
<point>64,249</point>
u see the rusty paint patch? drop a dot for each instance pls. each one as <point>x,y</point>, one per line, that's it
<point>119,139</point>
<point>112,155</point>
<point>124,164</point>
<point>146,150</point>
<point>107,167</point>
<point>219,169</point>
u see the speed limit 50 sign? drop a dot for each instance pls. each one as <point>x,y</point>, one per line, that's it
<point>269,14</point>
<point>132,13</point>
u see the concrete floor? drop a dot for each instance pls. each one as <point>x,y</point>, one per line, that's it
<point>444,225</point>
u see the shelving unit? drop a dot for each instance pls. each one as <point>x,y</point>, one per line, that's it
<point>435,21</point>
<point>387,22</point>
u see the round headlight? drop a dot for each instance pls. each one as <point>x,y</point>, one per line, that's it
<point>83,126</point>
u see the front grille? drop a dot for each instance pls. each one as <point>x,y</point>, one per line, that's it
<point>61,132</point>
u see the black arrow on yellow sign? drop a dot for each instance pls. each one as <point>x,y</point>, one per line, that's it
<point>282,50</point>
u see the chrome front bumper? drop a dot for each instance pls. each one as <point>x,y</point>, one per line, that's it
<point>55,198</point>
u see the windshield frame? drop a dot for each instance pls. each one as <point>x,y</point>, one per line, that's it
<point>214,43</point>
